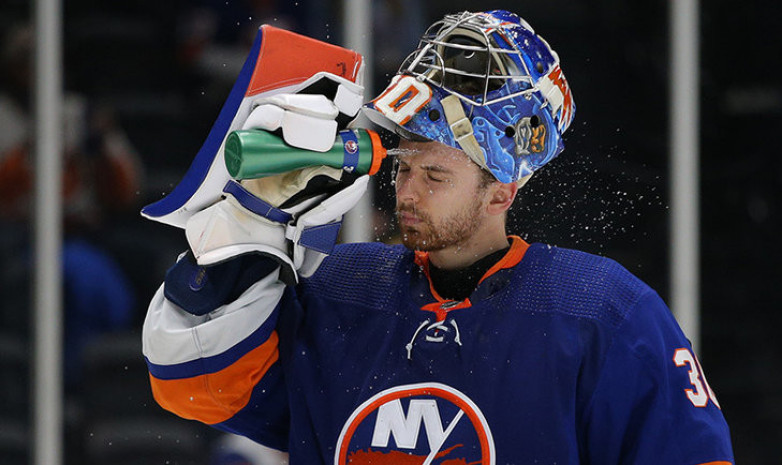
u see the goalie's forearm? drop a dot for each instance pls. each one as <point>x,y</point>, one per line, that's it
<point>208,366</point>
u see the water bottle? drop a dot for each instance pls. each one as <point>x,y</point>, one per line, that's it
<point>255,153</point>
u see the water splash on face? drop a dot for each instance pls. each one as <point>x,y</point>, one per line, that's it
<point>397,152</point>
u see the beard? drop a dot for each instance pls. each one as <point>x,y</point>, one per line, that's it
<point>431,234</point>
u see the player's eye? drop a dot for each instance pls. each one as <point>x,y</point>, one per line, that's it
<point>433,177</point>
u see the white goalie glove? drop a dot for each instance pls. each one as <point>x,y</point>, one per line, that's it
<point>307,121</point>
<point>292,217</point>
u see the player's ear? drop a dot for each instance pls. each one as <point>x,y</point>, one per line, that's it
<point>501,197</point>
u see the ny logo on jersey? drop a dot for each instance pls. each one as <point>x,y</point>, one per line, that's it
<point>391,421</point>
<point>390,428</point>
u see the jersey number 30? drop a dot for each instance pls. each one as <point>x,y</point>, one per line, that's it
<point>702,393</point>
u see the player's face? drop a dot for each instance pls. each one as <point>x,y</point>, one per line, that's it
<point>440,198</point>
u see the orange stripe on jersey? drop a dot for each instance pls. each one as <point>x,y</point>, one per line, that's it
<point>512,258</point>
<point>216,397</point>
<point>422,260</point>
<point>518,248</point>
<point>287,58</point>
<point>717,463</point>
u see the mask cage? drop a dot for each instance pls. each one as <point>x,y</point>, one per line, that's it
<point>464,55</point>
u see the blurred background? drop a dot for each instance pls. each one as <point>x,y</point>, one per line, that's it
<point>144,80</point>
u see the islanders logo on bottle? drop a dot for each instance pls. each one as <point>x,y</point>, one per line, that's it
<point>420,424</point>
<point>351,146</point>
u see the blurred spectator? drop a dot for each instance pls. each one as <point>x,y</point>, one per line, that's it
<point>101,176</point>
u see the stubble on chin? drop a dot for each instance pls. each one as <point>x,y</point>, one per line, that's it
<point>414,239</point>
<point>429,236</point>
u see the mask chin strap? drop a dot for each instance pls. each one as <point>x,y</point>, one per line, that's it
<point>461,127</point>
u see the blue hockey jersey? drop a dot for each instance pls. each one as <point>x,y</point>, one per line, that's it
<point>558,357</point>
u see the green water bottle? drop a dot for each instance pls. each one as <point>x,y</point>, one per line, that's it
<point>255,153</point>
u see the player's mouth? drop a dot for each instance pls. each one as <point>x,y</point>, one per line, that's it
<point>407,218</point>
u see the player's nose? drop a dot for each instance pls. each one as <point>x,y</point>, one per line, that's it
<point>406,187</point>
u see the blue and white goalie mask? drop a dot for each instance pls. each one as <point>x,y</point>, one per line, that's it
<point>484,83</point>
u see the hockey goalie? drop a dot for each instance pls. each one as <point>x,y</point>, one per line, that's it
<point>465,344</point>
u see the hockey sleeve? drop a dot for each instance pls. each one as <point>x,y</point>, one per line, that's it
<point>651,402</point>
<point>220,366</point>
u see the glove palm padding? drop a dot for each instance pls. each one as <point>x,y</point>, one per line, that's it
<point>293,217</point>
<point>296,223</point>
<point>295,188</point>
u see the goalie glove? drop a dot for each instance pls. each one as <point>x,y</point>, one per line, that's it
<point>293,226</point>
<point>306,121</point>
<point>293,217</point>
<point>309,120</point>
<point>228,240</point>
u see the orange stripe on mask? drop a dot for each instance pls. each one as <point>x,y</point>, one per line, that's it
<point>216,397</point>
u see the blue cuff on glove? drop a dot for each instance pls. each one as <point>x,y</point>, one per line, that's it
<point>199,290</point>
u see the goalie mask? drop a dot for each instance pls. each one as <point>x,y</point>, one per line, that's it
<point>484,83</point>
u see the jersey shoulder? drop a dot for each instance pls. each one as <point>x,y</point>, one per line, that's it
<point>367,274</point>
<point>580,284</point>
